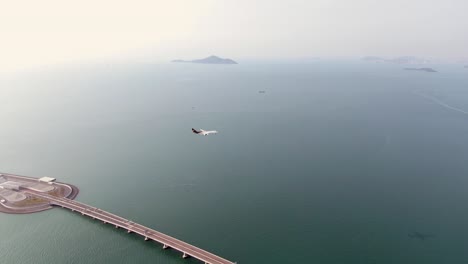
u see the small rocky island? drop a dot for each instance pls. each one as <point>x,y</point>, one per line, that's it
<point>421,69</point>
<point>209,60</point>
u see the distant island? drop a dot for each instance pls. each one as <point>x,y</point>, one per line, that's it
<point>209,60</point>
<point>397,60</point>
<point>410,60</point>
<point>466,66</point>
<point>373,59</point>
<point>421,69</point>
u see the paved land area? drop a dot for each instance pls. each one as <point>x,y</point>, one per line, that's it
<point>15,200</point>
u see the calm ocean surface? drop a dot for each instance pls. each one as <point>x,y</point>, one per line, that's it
<point>336,163</point>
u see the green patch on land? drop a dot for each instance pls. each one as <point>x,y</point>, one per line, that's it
<point>30,201</point>
<point>57,192</point>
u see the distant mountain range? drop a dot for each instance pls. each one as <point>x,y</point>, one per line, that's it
<point>209,60</point>
<point>421,69</point>
<point>373,58</point>
<point>398,60</point>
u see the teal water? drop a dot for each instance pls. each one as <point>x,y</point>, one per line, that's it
<point>336,163</point>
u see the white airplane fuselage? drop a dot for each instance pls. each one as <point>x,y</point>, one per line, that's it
<point>204,132</point>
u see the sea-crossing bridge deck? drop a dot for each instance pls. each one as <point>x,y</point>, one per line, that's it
<point>186,249</point>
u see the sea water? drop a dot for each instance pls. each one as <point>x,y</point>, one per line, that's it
<point>336,162</point>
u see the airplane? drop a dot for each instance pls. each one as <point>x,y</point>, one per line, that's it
<point>203,132</point>
<point>420,236</point>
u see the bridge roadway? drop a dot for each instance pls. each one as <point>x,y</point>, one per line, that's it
<point>167,241</point>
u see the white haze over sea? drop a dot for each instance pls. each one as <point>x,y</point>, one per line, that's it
<point>51,32</point>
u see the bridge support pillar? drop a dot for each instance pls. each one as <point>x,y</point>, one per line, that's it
<point>117,227</point>
<point>185,255</point>
<point>129,231</point>
<point>146,238</point>
<point>104,222</point>
<point>165,247</point>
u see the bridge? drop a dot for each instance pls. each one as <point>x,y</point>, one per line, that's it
<point>186,249</point>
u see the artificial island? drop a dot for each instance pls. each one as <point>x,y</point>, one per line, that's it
<point>22,195</point>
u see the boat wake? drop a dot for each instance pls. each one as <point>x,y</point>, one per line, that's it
<point>441,103</point>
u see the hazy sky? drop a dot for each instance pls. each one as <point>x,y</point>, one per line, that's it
<point>60,31</point>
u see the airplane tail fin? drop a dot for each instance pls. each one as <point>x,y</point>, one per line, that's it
<point>195,131</point>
